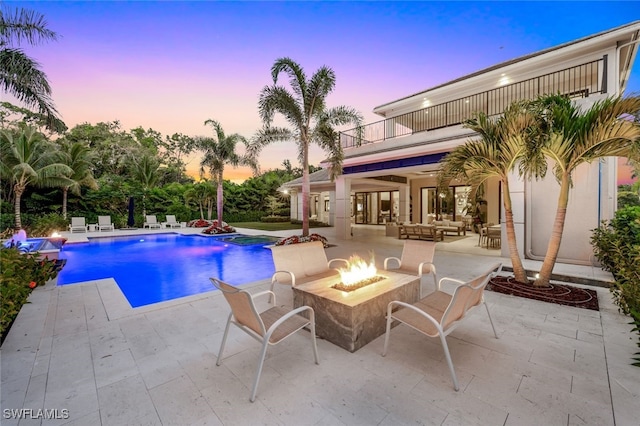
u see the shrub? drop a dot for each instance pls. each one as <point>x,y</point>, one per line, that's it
<point>617,247</point>
<point>296,239</point>
<point>44,226</point>
<point>312,223</point>
<point>21,273</point>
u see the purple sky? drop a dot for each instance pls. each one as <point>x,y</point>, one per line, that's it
<point>170,66</point>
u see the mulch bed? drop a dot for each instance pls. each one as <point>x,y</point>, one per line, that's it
<point>561,294</point>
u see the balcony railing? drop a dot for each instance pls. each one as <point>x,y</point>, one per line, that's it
<point>579,81</point>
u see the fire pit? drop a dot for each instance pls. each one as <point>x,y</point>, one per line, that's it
<point>359,274</point>
<point>351,319</point>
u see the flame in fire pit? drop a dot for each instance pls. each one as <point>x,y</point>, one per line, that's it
<point>358,270</point>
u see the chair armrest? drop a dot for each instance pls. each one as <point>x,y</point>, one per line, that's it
<point>293,277</point>
<point>338,259</point>
<point>430,266</point>
<point>264,293</point>
<point>391,258</point>
<point>453,280</point>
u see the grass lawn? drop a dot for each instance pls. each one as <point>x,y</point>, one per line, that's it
<point>266,226</point>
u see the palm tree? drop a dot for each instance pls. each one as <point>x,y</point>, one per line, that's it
<point>145,171</point>
<point>497,153</point>
<point>27,159</point>
<point>20,75</point>
<point>204,194</point>
<point>310,121</point>
<point>572,137</point>
<point>220,151</point>
<point>78,157</point>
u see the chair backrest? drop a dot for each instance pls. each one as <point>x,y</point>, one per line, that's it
<point>304,259</point>
<point>242,306</point>
<point>77,221</point>
<point>466,296</point>
<point>171,218</point>
<point>104,220</point>
<point>152,219</point>
<point>416,252</point>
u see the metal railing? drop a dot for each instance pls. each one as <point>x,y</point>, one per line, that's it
<point>579,81</point>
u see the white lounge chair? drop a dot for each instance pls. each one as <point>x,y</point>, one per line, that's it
<point>104,223</point>
<point>438,314</point>
<point>78,224</point>
<point>171,222</point>
<point>269,327</point>
<point>151,222</point>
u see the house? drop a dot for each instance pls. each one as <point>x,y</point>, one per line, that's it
<point>391,175</point>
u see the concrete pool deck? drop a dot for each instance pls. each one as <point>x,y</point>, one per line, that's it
<point>81,348</point>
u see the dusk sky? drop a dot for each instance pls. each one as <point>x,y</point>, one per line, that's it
<point>170,66</point>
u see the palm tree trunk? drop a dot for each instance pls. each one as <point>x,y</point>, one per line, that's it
<point>220,201</point>
<point>306,188</point>
<point>556,235</point>
<point>65,193</point>
<point>16,207</point>
<point>516,262</point>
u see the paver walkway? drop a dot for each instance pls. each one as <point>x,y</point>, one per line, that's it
<point>82,351</point>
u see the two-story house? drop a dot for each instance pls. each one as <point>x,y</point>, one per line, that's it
<point>391,175</point>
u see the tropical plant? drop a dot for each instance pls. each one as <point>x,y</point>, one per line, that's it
<point>499,151</point>
<point>27,159</point>
<point>21,75</point>
<point>78,157</point>
<point>220,151</point>
<point>204,194</point>
<point>145,172</point>
<point>310,120</point>
<point>572,137</point>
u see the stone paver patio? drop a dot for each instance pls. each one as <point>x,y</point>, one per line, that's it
<point>81,348</point>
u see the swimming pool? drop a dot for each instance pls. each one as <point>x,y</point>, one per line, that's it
<point>159,267</point>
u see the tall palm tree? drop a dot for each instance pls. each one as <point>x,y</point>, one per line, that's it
<point>220,151</point>
<point>145,171</point>
<point>571,137</point>
<point>498,152</point>
<point>78,157</point>
<point>28,160</point>
<point>21,75</point>
<point>310,121</point>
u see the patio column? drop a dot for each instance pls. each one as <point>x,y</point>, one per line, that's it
<point>517,187</point>
<point>405,203</point>
<point>342,210</point>
<point>293,204</point>
<point>332,208</point>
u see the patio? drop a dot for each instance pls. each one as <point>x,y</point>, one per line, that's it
<point>81,348</point>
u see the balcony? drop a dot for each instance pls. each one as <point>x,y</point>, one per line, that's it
<point>579,81</point>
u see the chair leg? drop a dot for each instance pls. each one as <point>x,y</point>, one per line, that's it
<point>263,353</point>
<point>490,319</point>
<point>224,340</point>
<point>388,332</point>
<point>447,355</point>
<point>312,329</point>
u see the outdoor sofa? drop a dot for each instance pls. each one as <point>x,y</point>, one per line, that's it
<point>420,232</point>
<point>446,226</point>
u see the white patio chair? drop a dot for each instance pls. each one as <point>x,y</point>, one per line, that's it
<point>438,314</point>
<point>78,224</point>
<point>151,221</point>
<point>171,222</point>
<point>104,223</point>
<point>416,259</point>
<point>269,327</point>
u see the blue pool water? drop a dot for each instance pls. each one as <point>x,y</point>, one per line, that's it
<point>155,268</point>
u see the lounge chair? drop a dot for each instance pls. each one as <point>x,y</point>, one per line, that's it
<point>151,222</point>
<point>78,224</point>
<point>269,327</point>
<point>438,314</point>
<point>171,222</point>
<point>416,259</point>
<point>104,223</point>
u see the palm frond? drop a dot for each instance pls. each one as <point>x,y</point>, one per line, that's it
<point>21,25</point>
<point>297,77</point>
